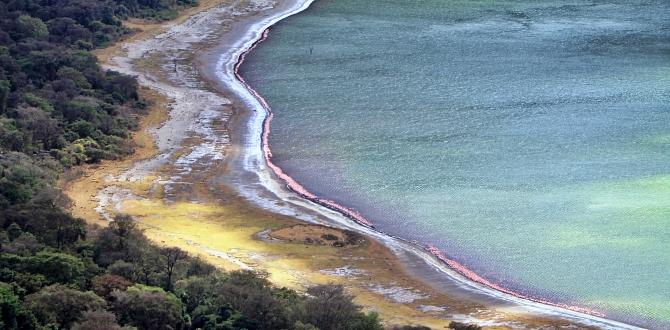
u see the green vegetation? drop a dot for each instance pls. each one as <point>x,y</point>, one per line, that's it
<point>56,103</point>
<point>59,108</point>
<point>116,277</point>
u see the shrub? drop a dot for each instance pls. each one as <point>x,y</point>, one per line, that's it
<point>149,308</point>
<point>463,326</point>
<point>62,306</point>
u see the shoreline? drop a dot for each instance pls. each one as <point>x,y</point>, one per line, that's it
<point>170,191</point>
<point>455,271</point>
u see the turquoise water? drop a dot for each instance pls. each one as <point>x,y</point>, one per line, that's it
<point>529,140</point>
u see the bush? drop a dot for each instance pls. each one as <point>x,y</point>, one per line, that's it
<point>463,326</point>
<point>105,285</point>
<point>411,327</point>
<point>31,27</point>
<point>330,308</point>
<point>62,306</point>
<point>59,267</point>
<point>12,313</point>
<point>97,320</point>
<point>148,307</point>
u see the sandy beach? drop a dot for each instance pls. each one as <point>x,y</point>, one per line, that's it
<point>199,181</point>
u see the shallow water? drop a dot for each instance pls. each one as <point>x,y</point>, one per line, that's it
<point>529,140</point>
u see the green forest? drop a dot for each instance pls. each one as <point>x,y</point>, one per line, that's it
<point>59,109</point>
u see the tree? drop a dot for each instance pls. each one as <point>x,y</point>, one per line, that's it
<point>200,290</point>
<point>123,88</point>
<point>198,267</point>
<point>65,29</point>
<point>147,267</point>
<point>463,326</point>
<point>67,230</point>
<point>56,267</point>
<point>24,245</point>
<point>5,88</point>
<point>106,251</point>
<point>123,226</point>
<point>20,178</point>
<point>251,294</point>
<point>171,256</point>
<point>363,321</point>
<point>61,305</point>
<point>330,308</point>
<point>14,231</point>
<point>302,326</point>
<point>149,308</point>
<point>9,307</point>
<point>219,317</point>
<point>12,314</point>
<point>207,309</point>
<point>104,285</point>
<point>97,320</point>
<point>50,224</point>
<point>122,269</point>
<point>44,129</point>
<point>123,241</point>
<point>74,75</point>
<point>31,27</point>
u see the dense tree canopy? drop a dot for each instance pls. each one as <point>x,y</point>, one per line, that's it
<point>61,306</point>
<point>55,100</point>
<point>116,277</point>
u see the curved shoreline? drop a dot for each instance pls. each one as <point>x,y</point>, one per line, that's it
<point>258,157</point>
<point>303,192</point>
<point>292,184</point>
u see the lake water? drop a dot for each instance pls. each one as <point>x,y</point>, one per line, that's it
<point>529,140</point>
